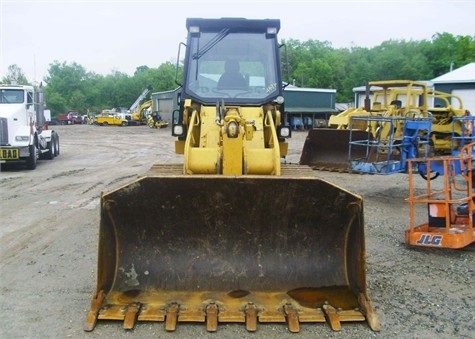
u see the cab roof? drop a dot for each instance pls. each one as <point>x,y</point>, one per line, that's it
<point>240,24</point>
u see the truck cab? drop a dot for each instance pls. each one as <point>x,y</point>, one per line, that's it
<point>24,136</point>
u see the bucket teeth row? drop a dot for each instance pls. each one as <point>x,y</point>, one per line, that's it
<point>215,312</point>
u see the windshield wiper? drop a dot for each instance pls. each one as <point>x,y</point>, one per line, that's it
<point>217,38</point>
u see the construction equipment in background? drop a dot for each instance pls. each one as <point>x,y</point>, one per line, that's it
<point>139,117</point>
<point>329,148</point>
<point>421,131</point>
<point>232,234</point>
<point>453,126</point>
<point>451,210</point>
<point>109,117</point>
<point>24,133</point>
<point>138,112</point>
<point>155,121</point>
<point>400,125</point>
<point>395,140</point>
<point>70,118</point>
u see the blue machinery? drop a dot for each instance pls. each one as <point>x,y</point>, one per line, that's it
<point>391,141</point>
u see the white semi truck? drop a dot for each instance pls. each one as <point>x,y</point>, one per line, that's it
<point>24,133</point>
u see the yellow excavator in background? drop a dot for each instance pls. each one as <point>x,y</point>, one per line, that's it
<point>233,234</point>
<point>139,116</point>
<point>137,111</point>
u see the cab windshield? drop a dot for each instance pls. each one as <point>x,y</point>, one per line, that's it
<point>233,66</point>
<point>11,96</point>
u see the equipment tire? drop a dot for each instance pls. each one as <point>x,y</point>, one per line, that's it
<point>429,176</point>
<point>31,160</point>
<point>105,123</point>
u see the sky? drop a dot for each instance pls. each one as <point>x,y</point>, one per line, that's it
<point>106,36</point>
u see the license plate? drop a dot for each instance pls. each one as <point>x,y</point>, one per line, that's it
<point>9,154</point>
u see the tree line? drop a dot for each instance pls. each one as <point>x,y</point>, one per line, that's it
<point>311,63</point>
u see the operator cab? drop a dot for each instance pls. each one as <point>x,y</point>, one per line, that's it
<point>236,60</point>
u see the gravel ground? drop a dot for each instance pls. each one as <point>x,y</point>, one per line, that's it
<point>49,235</point>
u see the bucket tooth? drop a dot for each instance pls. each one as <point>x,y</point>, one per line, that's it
<point>212,317</point>
<point>131,313</point>
<point>332,316</point>
<point>251,317</point>
<point>171,317</point>
<point>292,318</point>
<point>367,309</point>
<point>91,318</point>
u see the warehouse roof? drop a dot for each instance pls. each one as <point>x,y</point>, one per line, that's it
<point>463,74</point>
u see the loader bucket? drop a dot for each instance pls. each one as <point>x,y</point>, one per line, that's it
<point>206,248</point>
<point>328,148</point>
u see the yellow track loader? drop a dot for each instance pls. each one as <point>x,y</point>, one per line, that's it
<point>231,235</point>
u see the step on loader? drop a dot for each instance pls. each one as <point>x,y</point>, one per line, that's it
<point>231,235</point>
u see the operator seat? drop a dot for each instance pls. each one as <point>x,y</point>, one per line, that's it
<point>232,78</point>
<point>397,103</point>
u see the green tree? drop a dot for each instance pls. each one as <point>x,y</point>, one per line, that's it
<point>68,82</point>
<point>15,75</point>
<point>449,51</point>
<point>55,102</point>
<point>312,63</point>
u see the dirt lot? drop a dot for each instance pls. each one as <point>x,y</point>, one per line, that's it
<point>49,235</point>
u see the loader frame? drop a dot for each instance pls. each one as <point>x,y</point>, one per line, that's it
<point>233,234</point>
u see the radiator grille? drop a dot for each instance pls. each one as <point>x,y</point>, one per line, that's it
<point>3,131</point>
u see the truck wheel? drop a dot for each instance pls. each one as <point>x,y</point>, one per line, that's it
<point>51,145</point>
<point>124,123</point>
<point>105,123</point>
<point>56,144</point>
<point>31,161</point>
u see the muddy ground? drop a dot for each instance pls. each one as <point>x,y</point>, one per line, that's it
<point>49,236</point>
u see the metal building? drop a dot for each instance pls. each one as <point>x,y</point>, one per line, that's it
<point>459,82</point>
<point>307,108</point>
